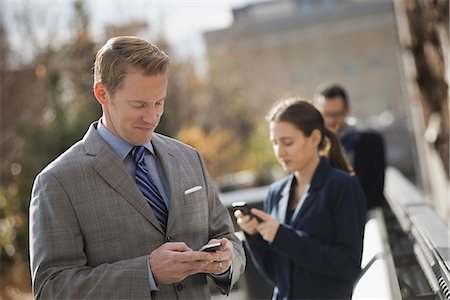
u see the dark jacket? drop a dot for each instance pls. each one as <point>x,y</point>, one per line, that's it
<point>367,155</point>
<point>318,254</point>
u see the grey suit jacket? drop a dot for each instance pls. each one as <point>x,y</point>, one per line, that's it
<point>91,229</point>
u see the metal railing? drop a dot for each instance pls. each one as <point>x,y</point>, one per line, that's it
<point>378,279</point>
<point>423,260</point>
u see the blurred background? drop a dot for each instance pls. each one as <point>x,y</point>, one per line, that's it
<point>230,60</point>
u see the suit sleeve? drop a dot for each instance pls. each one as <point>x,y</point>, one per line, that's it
<point>57,256</point>
<point>260,250</point>
<point>221,226</point>
<point>341,258</point>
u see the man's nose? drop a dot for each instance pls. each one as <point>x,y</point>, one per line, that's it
<point>330,122</point>
<point>151,116</point>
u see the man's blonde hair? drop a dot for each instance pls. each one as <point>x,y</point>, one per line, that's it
<point>119,54</point>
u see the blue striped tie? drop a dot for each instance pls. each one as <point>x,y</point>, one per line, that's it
<point>147,186</point>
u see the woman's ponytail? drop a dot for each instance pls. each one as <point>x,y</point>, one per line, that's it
<point>335,154</point>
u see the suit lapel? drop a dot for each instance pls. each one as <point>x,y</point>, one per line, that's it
<point>317,181</point>
<point>309,200</point>
<point>171,168</point>
<point>113,171</point>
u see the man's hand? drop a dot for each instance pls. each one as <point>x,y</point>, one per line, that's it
<point>268,227</point>
<point>173,262</point>
<point>221,259</point>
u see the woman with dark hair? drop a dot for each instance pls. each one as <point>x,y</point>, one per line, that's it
<point>308,242</point>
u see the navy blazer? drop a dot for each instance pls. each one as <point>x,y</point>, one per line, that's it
<point>318,254</point>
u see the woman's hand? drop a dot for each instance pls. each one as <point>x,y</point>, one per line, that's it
<point>268,227</point>
<point>246,222</point>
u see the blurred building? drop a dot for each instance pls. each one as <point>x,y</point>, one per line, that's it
<point>296,45</point>
<point>290,47</point>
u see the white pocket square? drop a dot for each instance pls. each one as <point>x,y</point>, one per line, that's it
<point>193,189</point>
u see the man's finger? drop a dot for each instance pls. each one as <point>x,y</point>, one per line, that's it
<point>192,256</point>
<point>176,246</point>
<point>226,244</point>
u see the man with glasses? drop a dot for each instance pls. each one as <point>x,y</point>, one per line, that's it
<point>364,149</point>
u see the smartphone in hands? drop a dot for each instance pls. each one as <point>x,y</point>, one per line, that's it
<point>245,209</point>
<point>213,247</point>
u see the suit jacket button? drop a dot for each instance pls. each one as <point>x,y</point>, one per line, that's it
<point>168,239</point>
<point>179,287</point>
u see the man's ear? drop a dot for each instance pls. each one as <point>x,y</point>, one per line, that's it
<point>100,92</point>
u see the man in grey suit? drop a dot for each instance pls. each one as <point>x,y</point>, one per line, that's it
<point>122,213</point>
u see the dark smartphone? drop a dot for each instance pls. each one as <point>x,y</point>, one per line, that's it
<point>213,247</point>
<point>245,209</point>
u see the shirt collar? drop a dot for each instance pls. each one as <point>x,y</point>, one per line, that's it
<point>120,146</point>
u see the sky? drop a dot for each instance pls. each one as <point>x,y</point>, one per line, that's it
<point>182,22</point>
